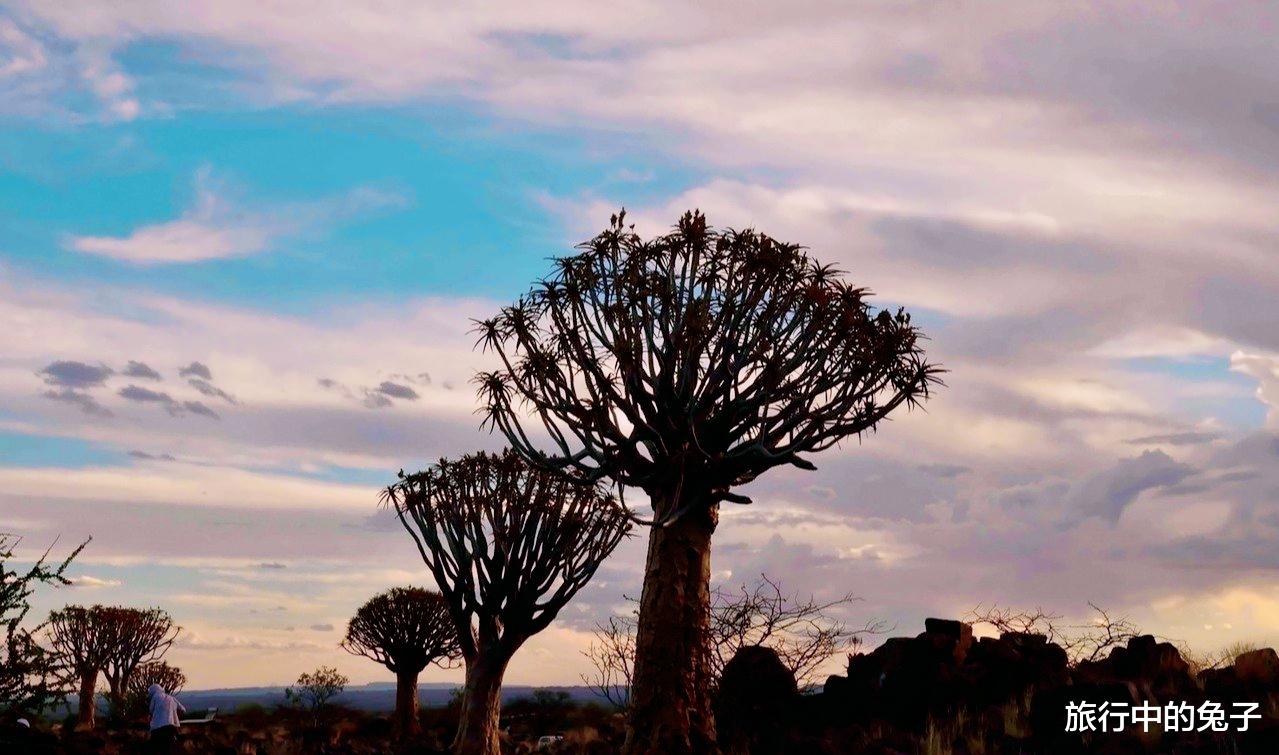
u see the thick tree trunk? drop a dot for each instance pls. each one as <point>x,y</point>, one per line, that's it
<point>406,720</point>
<point>670,711</point>
<point>88,703</point>
<point>477,733</point>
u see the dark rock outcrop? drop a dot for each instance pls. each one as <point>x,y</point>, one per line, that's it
<point>910,683</point>
<point>1157,668</point>
<point>755,701</point>
<point>908,679</point>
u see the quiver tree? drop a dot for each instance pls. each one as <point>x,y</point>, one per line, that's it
<point>508,545</point>
<point>31,676</point>
<point>113,640</point>
<point>686,366</point>
<point>404,629</point>
<point>80,636</point>
<point>137,694</point>
<point>137,636</point>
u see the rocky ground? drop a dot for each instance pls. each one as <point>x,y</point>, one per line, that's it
<point>942,692</point>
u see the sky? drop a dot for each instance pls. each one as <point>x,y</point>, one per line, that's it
<point>241,245</point>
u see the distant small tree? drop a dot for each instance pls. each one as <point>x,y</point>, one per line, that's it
<point>31,677</point>
<point>508,545</point>
<point>137,697</point>
<point>314,690</point>
<point>405,629</point>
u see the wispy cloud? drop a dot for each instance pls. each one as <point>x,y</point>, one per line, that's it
<point>89,581</point>
<point>217,226</point>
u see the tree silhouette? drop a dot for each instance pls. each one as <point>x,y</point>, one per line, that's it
<point>136,636</point>
<point>508,545</point>
<point>113,640</point>
<point>801,630</point>
<point>137,695</point>
<point>79,636</point>
<point>688,365</point>
<point>404,629</point>
<point>315,689</point>
<point>31,677</point>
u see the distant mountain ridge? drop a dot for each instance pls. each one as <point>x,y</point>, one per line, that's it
<point>373,697</point>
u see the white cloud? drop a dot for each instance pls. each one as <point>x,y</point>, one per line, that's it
<point>1265,369</point>
<point>179,484</point>
<point>90,581</point>
<point>1059,191</point>
<point>20,53</point>
<point>215,227</point>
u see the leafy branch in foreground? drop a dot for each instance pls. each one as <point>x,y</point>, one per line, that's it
<point>31,676</point>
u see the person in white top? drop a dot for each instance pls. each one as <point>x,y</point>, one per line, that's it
<point>165,712</point>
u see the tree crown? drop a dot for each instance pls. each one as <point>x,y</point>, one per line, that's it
<point>698,355</point>
<point>404,629</point>
<point>113,639</point>
<point>507,543</point>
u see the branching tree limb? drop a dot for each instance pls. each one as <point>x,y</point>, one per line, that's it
<point>1089,641</point>
<point>801,630</point>
<point>612,653</point>
<point>314,690</point>
<point>31,677</point>
<point>79,638</point>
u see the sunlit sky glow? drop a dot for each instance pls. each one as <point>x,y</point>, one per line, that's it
<point>240,244</point>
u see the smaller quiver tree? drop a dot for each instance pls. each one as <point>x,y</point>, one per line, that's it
<point>405,629</point>
<point>508,545</point>
<point>134,636</point>
<point>137,696</point>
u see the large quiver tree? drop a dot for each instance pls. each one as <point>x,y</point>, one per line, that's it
<point>404,629</point>
<point>685,366</point>
<point>508,545</point>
